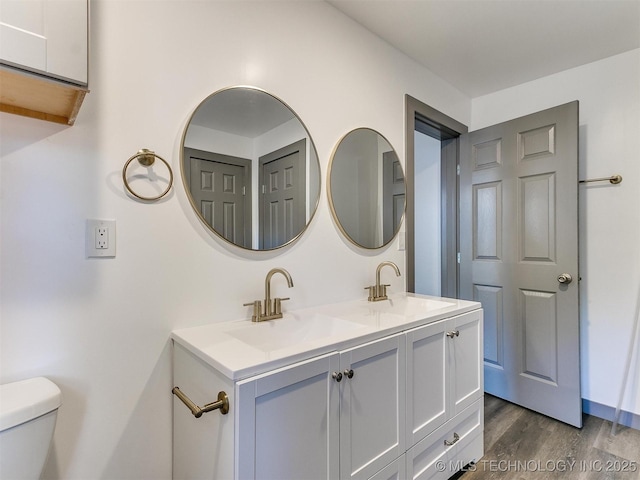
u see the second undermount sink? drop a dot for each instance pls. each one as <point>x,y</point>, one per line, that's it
<point>409,306</point>
<point>292,330</point>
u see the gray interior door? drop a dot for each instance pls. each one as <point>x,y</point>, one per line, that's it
<point>282,202</point>
<point>221,189</point>
<point>393,194</point>
<point>518,237</point>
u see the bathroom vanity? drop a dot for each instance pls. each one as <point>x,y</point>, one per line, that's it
<point>352,390</point>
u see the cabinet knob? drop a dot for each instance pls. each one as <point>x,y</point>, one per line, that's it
<point>337,376</point>
<point>454,333</point>
<point>348,373</point>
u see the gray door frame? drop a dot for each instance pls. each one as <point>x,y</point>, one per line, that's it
<point>420,116</point>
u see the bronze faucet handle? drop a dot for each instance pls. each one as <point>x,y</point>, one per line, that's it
<point>257,310</point>
<point>277,305</point>
<point>372,292</point>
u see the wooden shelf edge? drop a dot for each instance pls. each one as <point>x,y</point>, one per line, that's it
<point>40,97</point>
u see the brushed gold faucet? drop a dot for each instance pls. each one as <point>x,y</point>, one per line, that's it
<point>378,291</point>
<point>272,309</point>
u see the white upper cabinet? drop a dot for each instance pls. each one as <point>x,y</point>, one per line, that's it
<point>46,36</point>
<point>44,58</point>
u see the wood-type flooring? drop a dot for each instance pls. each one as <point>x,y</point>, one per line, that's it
<point>523,445</point>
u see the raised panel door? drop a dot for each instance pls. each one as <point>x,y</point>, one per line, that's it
<point>518,236</point>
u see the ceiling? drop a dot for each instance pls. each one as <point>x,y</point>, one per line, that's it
<point>481,46</point>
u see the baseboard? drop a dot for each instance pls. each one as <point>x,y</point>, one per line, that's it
<point>627,419</point>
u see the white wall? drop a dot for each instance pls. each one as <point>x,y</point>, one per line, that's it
<point>609,95</point>
<point>99,327</point>
<point>427,228</point>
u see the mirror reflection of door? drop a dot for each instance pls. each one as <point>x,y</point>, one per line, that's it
<point>393,194</point>
<point>220,186</point>
<point>282,201</point>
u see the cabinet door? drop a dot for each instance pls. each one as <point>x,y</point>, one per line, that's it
<point>427,380</point>
<point>46,36</point>
<point>372,407</point>
<point>465,356</point>
<point>288,423</point>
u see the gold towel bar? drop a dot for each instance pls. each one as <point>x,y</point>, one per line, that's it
<point>615,179</point>
<point>221,404</point>
<point>146,158</point>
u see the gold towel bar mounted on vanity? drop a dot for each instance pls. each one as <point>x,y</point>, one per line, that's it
<point>614,179</point>
<point>221,404</point>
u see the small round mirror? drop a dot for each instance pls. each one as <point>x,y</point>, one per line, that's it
<point>250,168</point>
<point>366,188</point>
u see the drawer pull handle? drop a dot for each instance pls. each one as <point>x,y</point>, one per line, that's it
<point>337,376</point>
<point>456,437</point>
<point>454,333</point>
<point>221,404</point>
<point>348,373</point>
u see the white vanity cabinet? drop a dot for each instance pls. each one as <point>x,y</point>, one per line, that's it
<point>337,416</point>
<point>44,57</point>
<point>444,397</point>
<point>375,406</point>
<point>46,36</point>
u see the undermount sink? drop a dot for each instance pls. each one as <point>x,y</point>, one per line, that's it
<point>291,330</point>
<point>409,306</point>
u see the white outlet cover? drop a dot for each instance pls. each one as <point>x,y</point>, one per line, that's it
<point>90,238</point>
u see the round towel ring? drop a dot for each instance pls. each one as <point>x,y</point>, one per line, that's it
<point>147,158</point>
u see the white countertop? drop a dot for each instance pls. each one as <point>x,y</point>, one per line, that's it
<point>242,348</point>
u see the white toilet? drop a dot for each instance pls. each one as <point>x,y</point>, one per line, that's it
<point>28,411</point>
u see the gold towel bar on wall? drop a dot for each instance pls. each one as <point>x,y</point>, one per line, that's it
<point>221,404</point>
<point>146,158</point>
<point>615,179</point>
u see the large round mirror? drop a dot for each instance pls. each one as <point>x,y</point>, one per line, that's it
<point>366,188</point>
<point>250,168</point>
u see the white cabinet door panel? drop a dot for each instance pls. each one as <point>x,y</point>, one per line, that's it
<point>288,423</point>
<point>427,380</point>
<point>372,407</point>
<point>465,353</point>
<point>46,36</point>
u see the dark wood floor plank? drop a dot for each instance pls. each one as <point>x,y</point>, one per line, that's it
<point>524,445</point>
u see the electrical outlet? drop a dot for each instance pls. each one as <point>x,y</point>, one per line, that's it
<point>101,238</point>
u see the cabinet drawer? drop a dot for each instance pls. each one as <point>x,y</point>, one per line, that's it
<point>432,458</point>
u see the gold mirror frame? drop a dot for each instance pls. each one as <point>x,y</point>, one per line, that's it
<point>313,176</point>
<point>364,155</point>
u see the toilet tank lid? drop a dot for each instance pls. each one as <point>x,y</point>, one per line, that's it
<point>27,399</point>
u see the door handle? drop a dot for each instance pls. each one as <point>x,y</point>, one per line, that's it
<point>565,278</point>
